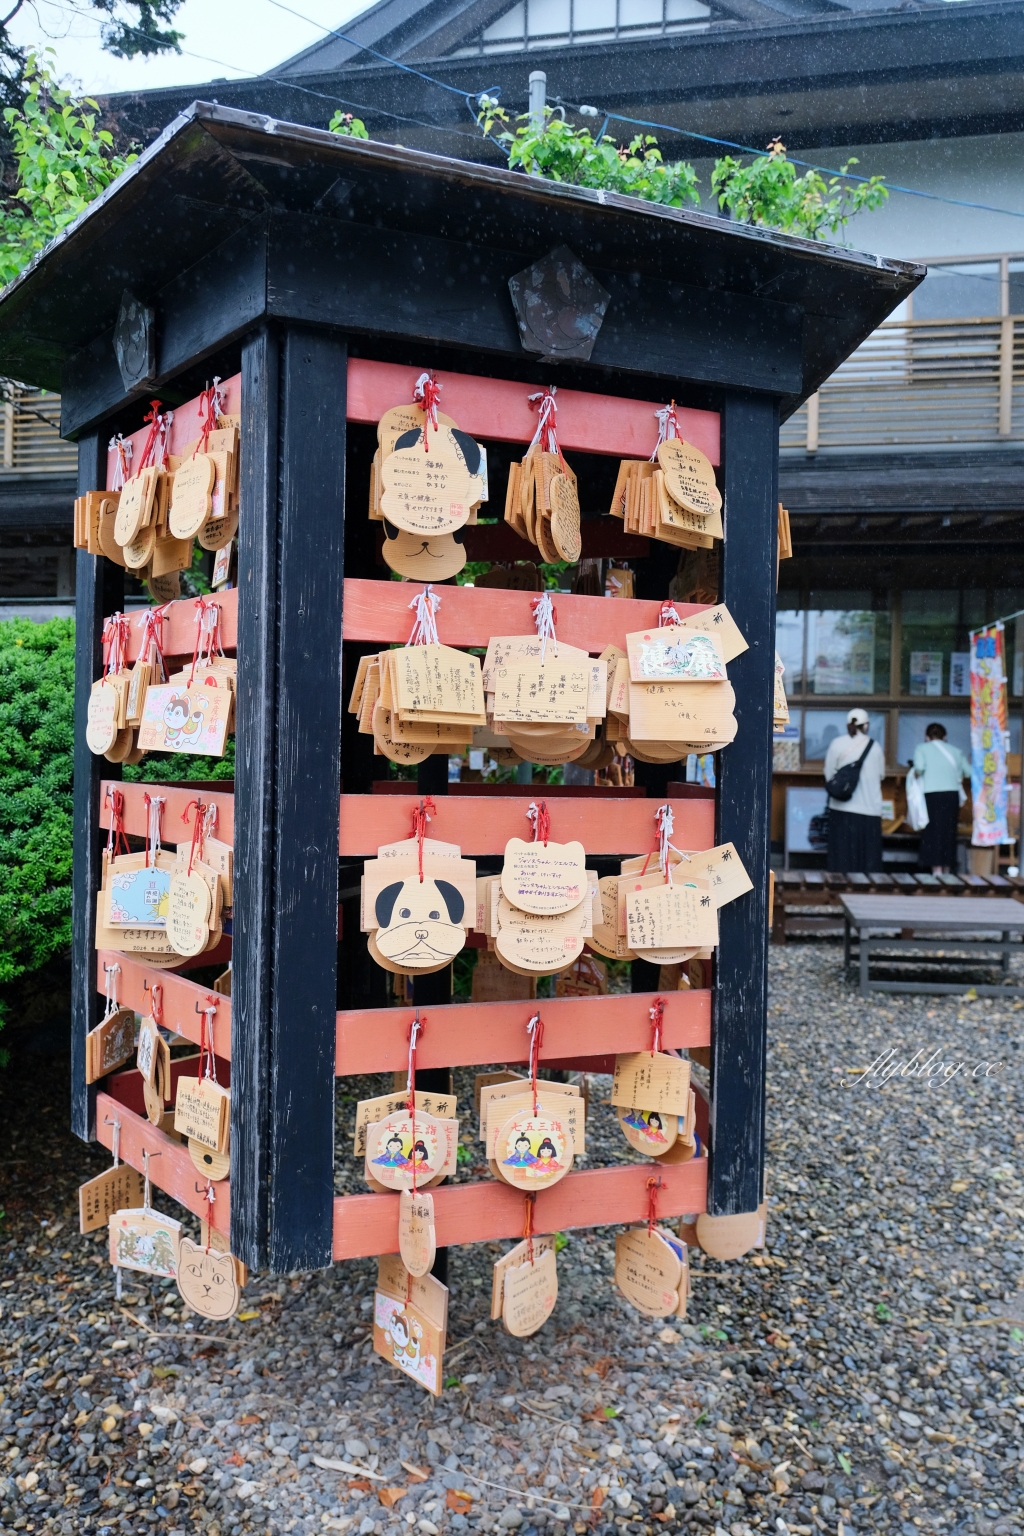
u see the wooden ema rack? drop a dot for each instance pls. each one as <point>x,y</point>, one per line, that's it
<point>585,1033</point>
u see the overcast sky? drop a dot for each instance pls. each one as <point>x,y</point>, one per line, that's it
<point>228,38</point>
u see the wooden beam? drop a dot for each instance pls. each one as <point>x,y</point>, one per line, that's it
<point>202,309</point>
<point>473,1034</point>
<point>170,1167</point>
<point>379,610</point>
<point>288,776</point>
<point>747,585</point>
<point>500,409</point>
<point>483,825</point>
<point>252,912</point>
<point>366,1225</point>
<point>99,591</point>
<point>328,272</point>
<point>177,798</point>
<point>181,999</point>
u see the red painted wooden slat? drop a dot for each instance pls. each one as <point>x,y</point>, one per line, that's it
<point>379,610</point>
<point>178,631</point>
<point>365,1225</point>
<point>181,999</point>
<point>184,427</point>
<point>473,1034</point>
<point>500,409</point>
<point>176,798</point>
<point>479,826</point>
<point>173,1171</point>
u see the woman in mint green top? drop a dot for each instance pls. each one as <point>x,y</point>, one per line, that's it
<point>941,768</point>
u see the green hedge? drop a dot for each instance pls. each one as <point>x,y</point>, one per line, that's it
<point>37,666</point>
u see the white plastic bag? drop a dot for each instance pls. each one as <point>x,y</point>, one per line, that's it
<point>917,808</point>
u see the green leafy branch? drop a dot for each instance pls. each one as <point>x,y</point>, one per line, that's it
<point>769,192</point>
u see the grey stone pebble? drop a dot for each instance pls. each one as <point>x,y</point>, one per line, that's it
<point>866,1368</point>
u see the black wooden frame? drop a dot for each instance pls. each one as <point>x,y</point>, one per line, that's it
<point>99,592</point>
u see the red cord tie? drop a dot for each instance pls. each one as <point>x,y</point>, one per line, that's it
<point>197,849</point>
<point>116,633</point>
<point>116,840</point>
<point>541,819</point>
<point>154,813</point>
<point>536,1032</point>
<point>529,1202</point>
<point>657,1014</point>
<point>211,404</point>
<point>421,817</point>
<point>155,450</point>
<point>415,1030</point>
<point>427,394</point>
<point>546,406</point>
<point>207,634</point>
<point>653,1185</point>
<point>207,1060</point>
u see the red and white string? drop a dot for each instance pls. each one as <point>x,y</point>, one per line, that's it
<point>425,605</point>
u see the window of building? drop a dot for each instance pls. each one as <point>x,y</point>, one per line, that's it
<point>964,291</point>
<point>935,639</point>
<point>548,23</point>
<point>820,726</point>
<point>789,641</point>
<point>847,645</point>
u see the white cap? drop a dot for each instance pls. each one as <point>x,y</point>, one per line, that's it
<point>857,717</point>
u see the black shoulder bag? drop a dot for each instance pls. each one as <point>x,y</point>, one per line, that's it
<point>844,781</point>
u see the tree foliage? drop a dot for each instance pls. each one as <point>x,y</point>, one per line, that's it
<point>767,191</point>
<point>560,152</point>
<point>348,126</point>
<point>62,161</point>
<point>37,664</point>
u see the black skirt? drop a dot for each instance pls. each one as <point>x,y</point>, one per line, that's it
<point>854,842</point>
<point>938,840</point>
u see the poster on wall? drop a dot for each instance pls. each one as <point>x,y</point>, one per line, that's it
<point>988,738</point>
<point>844,651</point>
<point>926,674</point>
<point>960,674</point>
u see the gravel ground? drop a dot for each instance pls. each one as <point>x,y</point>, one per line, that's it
<point>863,1373</point>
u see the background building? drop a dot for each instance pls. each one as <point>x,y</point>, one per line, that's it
<point>904,474</point>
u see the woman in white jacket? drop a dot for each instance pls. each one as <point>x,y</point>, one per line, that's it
<point>941,768</point>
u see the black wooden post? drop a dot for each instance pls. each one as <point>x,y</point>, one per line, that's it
<point>291,559</point>
<point>750,426</point>
<point>99,591</point>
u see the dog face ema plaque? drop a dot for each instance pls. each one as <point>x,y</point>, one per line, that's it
<point>559,305</point>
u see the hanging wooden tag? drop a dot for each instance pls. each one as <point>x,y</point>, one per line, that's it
<point>652,1080</point>
<point>191,495</point>
<point>647,1272</point>
<point>216,534</point>
<point>185,719</point>
<point>110,1045</point>
<point>146,1241</point>
<point>650,1131</point>
<point>212,1165</point>
<point>138,898</point>
<point>428,492</point>
<point>692,712</point>
<point>102,716</point>
<point>188,912</point>
<point>664,917</point>
<point>729,1237</point>
<point>399,420</point>
<point>147,1051</point>
<point>541,944</point>
<point>138,682</point>
<point>416,1240</point>
<point>511,1260</point>
<point>440,1106</point>
<point>530,1294</point>
<point>407,1339</point>
<point>154,1103</point>
<point>544,879</point>
<point>718,621</point>
<point>675,654</point>
<point>723,870</point>
<point>533,1151</point>
<point>420,923</point>
<point>209,1237</point>
<point>108,1192</point>
<point>202,1112</point>
<point>207,1282</point>
<point>565,518</point>
<point>689,476</point>
<point>562,1102</point>
<point>556,690</point>
<point>132,507</point>
<point>422,558</point>
<point>606,938</point>
<point>396,1148</point>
